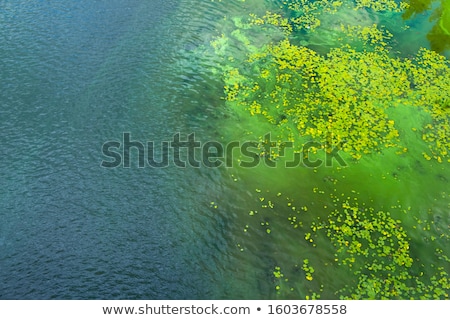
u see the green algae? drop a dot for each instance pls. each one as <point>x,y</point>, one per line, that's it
<point>370,245</point>
<point>351,94</point>
<point>342,97</point>
<point>444,21</point>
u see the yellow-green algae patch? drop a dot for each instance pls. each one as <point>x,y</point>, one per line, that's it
<point>344,97</point>
<point>352,95</point>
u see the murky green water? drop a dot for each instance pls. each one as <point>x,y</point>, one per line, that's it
<point>75,74</point>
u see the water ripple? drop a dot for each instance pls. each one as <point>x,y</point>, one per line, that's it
<point>74,75</point>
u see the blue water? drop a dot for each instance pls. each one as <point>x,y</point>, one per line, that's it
<point>75,74</point>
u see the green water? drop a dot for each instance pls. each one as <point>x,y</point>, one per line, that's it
<point>282,204</point>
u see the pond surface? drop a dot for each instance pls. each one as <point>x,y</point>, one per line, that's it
<point>75,74</point>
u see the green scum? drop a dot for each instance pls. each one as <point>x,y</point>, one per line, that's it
<point>346,94</point>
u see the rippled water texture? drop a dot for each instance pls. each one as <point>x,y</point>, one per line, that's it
<point>75,74</point>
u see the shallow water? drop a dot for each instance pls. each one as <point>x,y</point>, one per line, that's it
<point>76,74</point>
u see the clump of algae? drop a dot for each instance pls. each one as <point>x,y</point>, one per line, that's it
<point>345,97</point>
<point>342,97</point>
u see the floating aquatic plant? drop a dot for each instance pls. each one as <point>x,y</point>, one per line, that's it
<point>344,96</point>
<point>376,250</point>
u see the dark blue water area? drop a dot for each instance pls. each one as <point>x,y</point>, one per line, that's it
<point>75,74</point>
